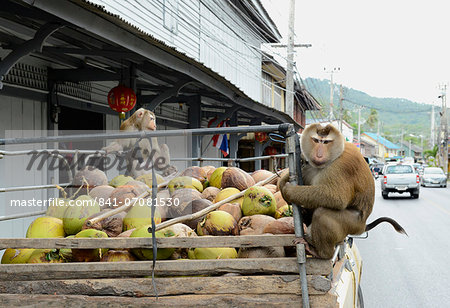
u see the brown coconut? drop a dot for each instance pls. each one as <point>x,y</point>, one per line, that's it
<point>261,252</point>
<point>233,208</point>
<point>196,173</point>
<point>196,206</point>
<point>260,175</point>
<point>254,225</point>
<point>93,176</point>
<point>124,195</point>
<point>208,170</point>
<point>101,195</point>
<point>140,186</point>
<point>181,202</point>
<point>210,193</point>
<point>284,225</point>
<point>162,200</point>
<point>279,199</point>
<point>271,187</point>
<point>238,178</point>
<point>111,225</point>
<point>118,256</point>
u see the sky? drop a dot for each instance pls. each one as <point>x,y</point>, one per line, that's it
<point>386,48</point>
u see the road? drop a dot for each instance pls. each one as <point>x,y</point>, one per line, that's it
<point>413,271</point>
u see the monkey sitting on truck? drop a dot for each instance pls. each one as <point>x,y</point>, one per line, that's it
<point>338,192</point>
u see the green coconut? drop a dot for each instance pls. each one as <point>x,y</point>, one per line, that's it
<point>218,223</point>
<point>16,256</point>
<point>120,180</point>
<point>140,215</point>
<point>45,256</point>
<point>212,253</point>
<point>57,207</point>
<point>45,227</point>
<point>216,177</point>
<point>89,255</point>
<point>258,200</point>
<point>146,253</point>
<point>77,213</point>
<point>184,182</point>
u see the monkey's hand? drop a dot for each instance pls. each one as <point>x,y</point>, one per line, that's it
<point>285,187</point>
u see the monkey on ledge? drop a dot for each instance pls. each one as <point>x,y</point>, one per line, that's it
<point>338,192</point>
<point>145,155</point>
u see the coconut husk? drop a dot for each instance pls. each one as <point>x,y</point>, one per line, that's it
<point>112,225</point>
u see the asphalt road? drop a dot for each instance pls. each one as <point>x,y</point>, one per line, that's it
<point>414,270</point>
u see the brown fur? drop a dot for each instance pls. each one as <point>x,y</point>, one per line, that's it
<point>338,190</point>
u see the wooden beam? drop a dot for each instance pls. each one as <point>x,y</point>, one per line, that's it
<point>163,268</point>
<point>174,242</point>
<point>138,287</point>
<point>222,300</point>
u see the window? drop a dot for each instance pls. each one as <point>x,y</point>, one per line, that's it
<point>399,169</point>
<point>170,15</point>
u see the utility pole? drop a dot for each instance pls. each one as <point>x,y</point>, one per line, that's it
<point>401,144</point>
<point>290,62</point>
<point>289,110</point>
<point>341,98</point>
<point>432,136</point>
<point>359,128</point>
<point>331,72</point>
<point>443,134</point>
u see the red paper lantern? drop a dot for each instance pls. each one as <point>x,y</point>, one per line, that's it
<point>271,151</point>
<point>121,99</point>
<point>260,136</point>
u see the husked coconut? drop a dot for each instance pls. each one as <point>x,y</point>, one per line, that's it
<point>210,193</point>
<point>181,201</point>
<point>271,187</point>
<point>208,170</point>
<point>284,225</point>
<point>279,199</point>
<point>196,206</point>
<point>162,203</point>
<point>111,225</point>
<point>254,225</point>
<point>93,176</point>
<point>195,172</point>
<point>238,178</point>
<point>261,175</point>
<point>124,194</point>
<point>101,194</point>
<point>233,208</point>
<point>117,256</point>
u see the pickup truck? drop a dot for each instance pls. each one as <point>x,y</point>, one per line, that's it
<point>400,178</point>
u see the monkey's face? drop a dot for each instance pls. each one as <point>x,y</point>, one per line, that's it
<point>321,146</point>
<point>148,121</point>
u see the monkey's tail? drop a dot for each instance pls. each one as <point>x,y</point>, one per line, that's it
<point>395,224</point>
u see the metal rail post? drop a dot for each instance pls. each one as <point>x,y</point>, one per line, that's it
<point>293,149</point>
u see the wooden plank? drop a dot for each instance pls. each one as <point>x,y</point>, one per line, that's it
<point>265,266</point>
<point>174,242</point>
<point>138,287</point>
<point>223,300</point>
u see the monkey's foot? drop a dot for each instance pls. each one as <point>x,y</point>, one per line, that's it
<point>308,248</point>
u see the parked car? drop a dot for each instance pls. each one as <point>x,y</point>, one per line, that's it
<point>433,176</point>
<point>400,178</point>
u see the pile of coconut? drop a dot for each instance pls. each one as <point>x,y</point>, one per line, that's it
<point>261,210</point>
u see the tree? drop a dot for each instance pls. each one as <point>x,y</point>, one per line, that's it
<point>372,119</point>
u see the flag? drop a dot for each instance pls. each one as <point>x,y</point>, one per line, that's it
<point>222,144</point>
<point>220,141</point>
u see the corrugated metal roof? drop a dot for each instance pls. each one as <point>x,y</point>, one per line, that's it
<point>116,19</point>
<point>388,144</point>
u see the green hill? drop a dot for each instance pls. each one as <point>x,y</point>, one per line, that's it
<point>394,114</point>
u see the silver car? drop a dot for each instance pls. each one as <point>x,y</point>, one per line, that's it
<point>433,176</point>
<point>400,178</point>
